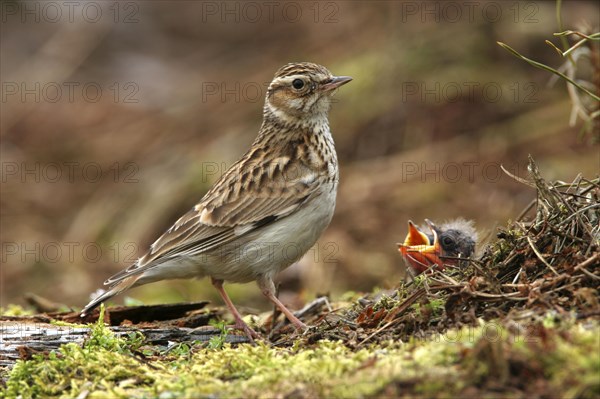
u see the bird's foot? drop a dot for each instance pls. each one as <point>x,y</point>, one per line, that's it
<point>242,326</point>
<point>300,326</point>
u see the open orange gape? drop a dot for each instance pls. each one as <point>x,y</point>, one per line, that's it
<point>443,246</point>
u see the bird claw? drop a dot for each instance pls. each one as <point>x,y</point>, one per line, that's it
<point>300,325</point>
<point>250,333</point>
<point>306,331</point>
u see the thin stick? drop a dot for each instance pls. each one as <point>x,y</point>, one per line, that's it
<point>540,257</point>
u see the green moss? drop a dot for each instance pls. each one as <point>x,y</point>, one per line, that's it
<point>432,308</point>
<point>15,310</point>
<point>350,296</point>
<point>385,302</point>
<point>103,360</point>
<point>571,360</point>
<point>565,359</point>
<point>442,365</point>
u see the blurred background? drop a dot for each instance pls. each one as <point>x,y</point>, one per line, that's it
<point>117,116</point>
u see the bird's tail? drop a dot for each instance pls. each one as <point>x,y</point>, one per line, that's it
<point>114,290</point>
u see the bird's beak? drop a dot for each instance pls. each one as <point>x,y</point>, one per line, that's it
<point>415,236</point>
<point>335,82</point>
<point>419,251</point>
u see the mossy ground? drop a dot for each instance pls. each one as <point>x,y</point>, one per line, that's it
<point>521,321</point>
<point>555,358</point>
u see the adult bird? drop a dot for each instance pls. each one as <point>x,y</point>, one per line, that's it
<point>267,210</point>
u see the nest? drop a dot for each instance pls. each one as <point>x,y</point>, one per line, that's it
<point>544,263</point>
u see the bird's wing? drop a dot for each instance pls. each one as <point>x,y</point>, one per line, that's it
<point>247,197</point>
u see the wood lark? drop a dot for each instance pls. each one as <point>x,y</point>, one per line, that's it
<point>267,210</point>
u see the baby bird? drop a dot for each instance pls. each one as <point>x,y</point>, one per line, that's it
<point>439,247</point>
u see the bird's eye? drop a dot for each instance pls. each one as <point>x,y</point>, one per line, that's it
<point>298,84</point>
<point>447,242</point>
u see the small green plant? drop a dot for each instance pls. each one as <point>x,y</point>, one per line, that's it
<point>102,337</point>
<point>179,350</point>
<point>217,341</point>
<point>15,310</point>
<point>419,281</point>
<point>385,302</point>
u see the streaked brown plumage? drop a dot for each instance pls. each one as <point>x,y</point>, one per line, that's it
<point>280,193</point>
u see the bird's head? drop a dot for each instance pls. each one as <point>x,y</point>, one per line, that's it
<point>301,92</point>
<point>440,246</point>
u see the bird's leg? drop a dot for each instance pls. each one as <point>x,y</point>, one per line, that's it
<point>268,290</point>
<point>239,323</point>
